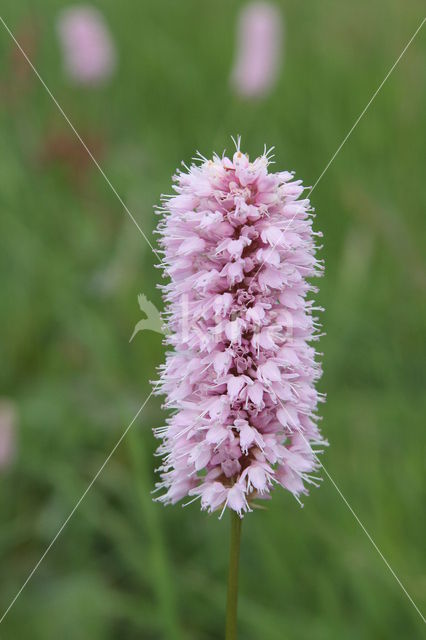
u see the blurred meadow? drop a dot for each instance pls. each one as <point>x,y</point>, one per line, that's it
<point>72,265</point>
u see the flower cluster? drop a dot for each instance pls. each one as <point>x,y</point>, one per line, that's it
<point>238,249</point>
<point>258,53</point>
<point>88,48</point>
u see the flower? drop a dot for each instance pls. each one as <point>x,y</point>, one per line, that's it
<point>238,248</point>
<point>259,43</point>
<point>88,49</point>
<point>7,433</point>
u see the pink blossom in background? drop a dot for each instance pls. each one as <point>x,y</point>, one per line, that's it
<point>7,433</point>
<point>259,49</point>
<point>88,49</point>
<point>238,249</point>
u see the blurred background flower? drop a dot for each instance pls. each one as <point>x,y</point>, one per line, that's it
<point>258,55</point>
<point>7,433</point>
<point>87,46</point>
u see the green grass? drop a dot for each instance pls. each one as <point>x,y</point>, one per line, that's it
<point>72,265</point>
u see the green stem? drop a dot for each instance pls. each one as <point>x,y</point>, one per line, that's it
<point>232,599</point>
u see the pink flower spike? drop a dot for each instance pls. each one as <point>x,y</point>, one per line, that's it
<point>88,49</point>
<point>257,59</point>
<point>7,433</point>
<point>241,376</point>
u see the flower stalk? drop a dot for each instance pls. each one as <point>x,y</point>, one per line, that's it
<point>232,597</point>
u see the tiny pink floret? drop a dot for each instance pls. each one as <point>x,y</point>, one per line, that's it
<point>238,250</point>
